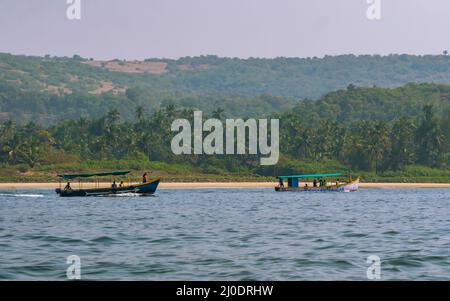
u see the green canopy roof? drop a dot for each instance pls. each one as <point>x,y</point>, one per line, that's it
<point>320,175</point>
<point>88,175</point>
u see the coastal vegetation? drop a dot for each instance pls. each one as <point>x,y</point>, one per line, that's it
<point>400,149</point>
<point>385,118</point>
<point>49,89</point>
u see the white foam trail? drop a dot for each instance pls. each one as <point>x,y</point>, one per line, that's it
<point>22,195</point>
<point>123,194</point>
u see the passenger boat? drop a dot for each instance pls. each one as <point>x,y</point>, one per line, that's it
<point>325,183</point>
<point>143,189</point>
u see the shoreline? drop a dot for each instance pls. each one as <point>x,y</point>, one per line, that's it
<point>206,185</point>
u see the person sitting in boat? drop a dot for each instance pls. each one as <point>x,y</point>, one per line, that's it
<point>144,178</point>
<point>315,183</point>
<point>114,185</point>
<point>280,183</point>
<point>121,184</point>
<point>68,188</point>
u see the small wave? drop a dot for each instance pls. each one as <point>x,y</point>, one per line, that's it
<point>103,239</point>
<point>405,261</point>
<point>357,235</point>
<point>161,240</point>
<point>391,232</point>
<point>50,239</point>
<point>22,195</point>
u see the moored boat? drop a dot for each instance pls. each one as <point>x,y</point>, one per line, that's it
<point>320,183</point>
<point>142,189</point>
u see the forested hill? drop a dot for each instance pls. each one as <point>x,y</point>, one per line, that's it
<point>48,89</point>
<point>376,104</point>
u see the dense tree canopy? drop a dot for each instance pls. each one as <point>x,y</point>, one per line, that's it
<point>49,89</point>
<point>359,112</point>
<point>375,146</point>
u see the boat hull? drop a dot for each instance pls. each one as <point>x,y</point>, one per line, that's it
<point>349,187</point>
<point>142,189</point>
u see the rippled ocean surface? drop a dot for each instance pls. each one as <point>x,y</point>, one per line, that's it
<point>227,234</point>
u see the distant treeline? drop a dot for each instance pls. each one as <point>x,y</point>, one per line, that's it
<point>376,146</point>
<point>48,89</point>
<point>47,108</point>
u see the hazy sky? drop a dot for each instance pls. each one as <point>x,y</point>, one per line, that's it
<point>137,29</point>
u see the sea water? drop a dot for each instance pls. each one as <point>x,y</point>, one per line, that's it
<point>227,234</point>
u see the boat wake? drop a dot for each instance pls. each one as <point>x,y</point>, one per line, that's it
<point>122,195</point>
<point>131,194</point>
<point>21,195</point>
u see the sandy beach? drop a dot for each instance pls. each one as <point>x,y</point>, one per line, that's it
<point>206,185</point>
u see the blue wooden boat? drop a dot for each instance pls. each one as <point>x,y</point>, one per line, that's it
<point>321,183</point>
<point>143,189</point>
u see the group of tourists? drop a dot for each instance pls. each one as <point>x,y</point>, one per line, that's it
<point>321,182</point>
<point>114,185</point>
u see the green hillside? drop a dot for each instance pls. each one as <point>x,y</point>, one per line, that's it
<point>48,89</point>
<point>386,118</point>
<point>375,104</point>
<point>400,141</point>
